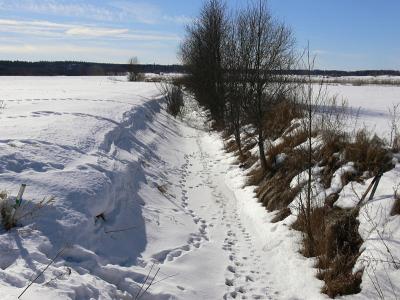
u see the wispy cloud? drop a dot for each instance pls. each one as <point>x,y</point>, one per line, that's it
<point>136,11</point>
<point>53,49</point>
<point>109,11</point>
<point>63,8</point>
<point>109,30</point>
<point>95,32</point>
<point>181,20</point>
<point>65,30</point>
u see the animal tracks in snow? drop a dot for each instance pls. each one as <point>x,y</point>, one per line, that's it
<point>212,207</point>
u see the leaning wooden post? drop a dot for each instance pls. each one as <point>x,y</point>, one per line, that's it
<point>374,183</point>
<point>18,200</point>
<point>378,178</point>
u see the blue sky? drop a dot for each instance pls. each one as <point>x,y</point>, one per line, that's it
<point>344,34</point>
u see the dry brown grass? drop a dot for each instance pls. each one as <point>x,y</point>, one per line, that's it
<point>329,156</point>
<point>231,146</point>
<point>163,189</point>
<point>280,116</point>
<point>317,221</point>
<point>339,278</point>
<point>274,190</point>
<point>336,246</point>
<point>335,239</point>
<point>275,193</point>
<point>396,205</point>
<point>396,144</point>
<point>281,215</point>
<point>247,160</point>
<point>255,176</point>
<point>368,153</point>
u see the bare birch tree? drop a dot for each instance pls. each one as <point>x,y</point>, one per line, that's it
<point>267,50</point>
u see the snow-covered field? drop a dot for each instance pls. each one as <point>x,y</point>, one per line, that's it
<point>369,105</point>
<point>137,193</point>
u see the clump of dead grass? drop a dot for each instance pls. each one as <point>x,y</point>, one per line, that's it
<point>396,205</point>
<point>12,214</point>
<point>369,153</point>
<point>336,244</point>
<point>280,116</point>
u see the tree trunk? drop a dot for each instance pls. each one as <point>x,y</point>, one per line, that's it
<point>262,151</point>
<point>309,187</point>
<point>238,141</point>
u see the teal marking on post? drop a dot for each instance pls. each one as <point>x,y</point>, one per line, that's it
<point>18,200</point>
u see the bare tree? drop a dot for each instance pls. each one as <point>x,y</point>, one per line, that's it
<point>322,116</point>
<point>234,84</point>
<point>202,53</point>
<point>309,102</point>
<point>267,53</point>
<point>133,71</point>
<point>394,126</point>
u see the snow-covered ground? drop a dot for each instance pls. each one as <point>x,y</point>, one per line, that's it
<point>140,197</point>
<point>369,105</point>
<point>135,191</point>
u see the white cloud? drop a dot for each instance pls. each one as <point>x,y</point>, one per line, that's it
<point>64,8</point>
<point>137,11</point>
<point>63,30</point>
<point>95,32</point>
<point>178,19</point>
<point>18,49</point>
<point>64,48</point>
<point>110,11</point>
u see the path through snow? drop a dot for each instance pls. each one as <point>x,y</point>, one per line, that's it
<point>229,254</point>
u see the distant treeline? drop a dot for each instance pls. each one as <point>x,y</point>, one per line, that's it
<point>76,68</point>
<point>337,73</point>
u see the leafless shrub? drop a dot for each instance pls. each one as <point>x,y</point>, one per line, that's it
<point>134,70</point>
<point>311,99</point>
<point>394,142</point>
<point>267,51</point>
<point>13,213</point>
<point>396,206</point>
<point>330,234</point>
<point>202,51</point>
<point>173,95</point>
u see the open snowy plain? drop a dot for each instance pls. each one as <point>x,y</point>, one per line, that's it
<point>369,104</point>
<point>146,206</point>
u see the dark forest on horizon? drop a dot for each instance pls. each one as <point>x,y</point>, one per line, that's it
<point>77,68</point>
